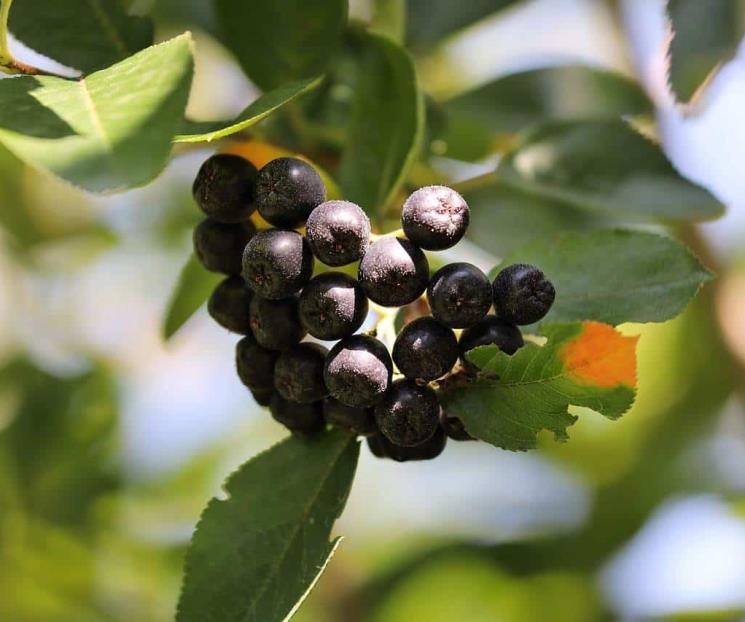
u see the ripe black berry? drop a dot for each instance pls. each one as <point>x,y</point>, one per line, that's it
<point>357,420</point>
<point>454,428</point>
<point>522,294</point>
<point>224,188</point>
<point>393,272</point>
<point>428,450</point>
<point>229,305</point>
<point>425,349</point>
<point>304,419</point>
<point>332,306</point>
<point>338,232</point>
<point>219,246</point>
<point>376,443</point>
<point>435,217</point>
<point>358,371</point>
<point>298,374</point>
<point>490,331</point>
<point>459,295</point>
<point>255,365</point>
<point>287,191</point>
<point>408,414</point>
<point>263,397</point>
<point>275,323</point>
<point>277,263</point>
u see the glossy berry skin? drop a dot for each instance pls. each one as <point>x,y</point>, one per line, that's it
<point>428,450</point>
<point>435,217</point>
<point>229,305</point>
<point>454,428</point>
<point>303,419</point>
<point>408,414</point>
<point>393,272</point>
<point>255,365</point>
<point>425,349</point>
<point>287,191</point>
<point>459,295</point>
<point>275,323</point>
<point>224,188</point>
<point>490,331</point>
<point>338,232</point>
<point>332,306</point>
<point>356,420</point>
<point>277,263</point>
<point>219,246</point>
<point>358,371</point>
<point>522,294</point>
<point>298,374</point>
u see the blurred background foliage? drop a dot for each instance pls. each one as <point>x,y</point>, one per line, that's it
<point>111,440</point>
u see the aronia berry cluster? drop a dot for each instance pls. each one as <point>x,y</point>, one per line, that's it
<point>272,298</point>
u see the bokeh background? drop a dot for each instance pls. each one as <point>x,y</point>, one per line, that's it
<point>112,440</point>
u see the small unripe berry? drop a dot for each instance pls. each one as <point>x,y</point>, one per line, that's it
<point>356,420</point>
<point>219,246</point>
<point>454,428</point>
<point>425,349</point>
<point>393,272</point>
<point>298,374</point>
<point>229,305</point>
<point>224,188</point>
<point>435,217</point>
<point>408,414</point>
<point>338,232</point>
<point>275,323</point>
<point>358,371</point>
<point>459,295</point>
<point>303,419</point>
<point>277,263</point>
<point>428,450</point>
<point>255,365</point>
<point>332,306</point>
<point>522,294</point>
<point>490,331</point>
<point>287,191</point>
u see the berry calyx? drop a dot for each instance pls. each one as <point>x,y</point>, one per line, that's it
<point>490,331</point>
<point>357,420</point>
<point>358,371</point>
<point>219,246</point>
<point>435,217</point>
<point>255,365</point>
<point>224,188</point>
<point>338,232</point>
<point>298,374</point>
<point>332,306</point>
<point>275,323</point>
<point>393,272</point>
<point>522,294</point>
<point>459,295</point>
<point>425,349</point>
<point>277,263</point>
<point>408,413</point>
<point>229,305</point>
<point>303,419</point>
<point>287,191</point>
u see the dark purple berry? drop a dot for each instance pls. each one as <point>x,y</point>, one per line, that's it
<point>263,397</point>
<point>255,365</point>
<point>356,420</point>
<point>459,295</point>
<point>490,331</point>
<point>219,246</point>
<point>275,323</point>
<point>338,232</point>
<point>332,306</point>
<point>522,294</point>
<point>428,450</point>
<point>425,349</point>
<point>358,371</point>
<point>393,272</point>
<point>408,413</point>
<point>229,305</point>
<point>224,188</point>
<point>303,419</point>
<point>287,191</point>
<point>376,443</point>
<point>298,374</point>
<point>277,263</point>
<point>435,217</point>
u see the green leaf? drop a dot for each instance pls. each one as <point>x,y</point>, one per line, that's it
<point>429,21</point>
<point>389,19</point>
<point>705,35</point>
<point>605,166</point>
<point>110,131</point>
<point>507,105</point>
<point>276,42</point>
<point>255,555</point>
<point>193,288</point>
<point>518,396</point>
<point>615,276</point>
<point>83,34</point>
<point>194,132</point>
<point>186,13</point>
<point>387,123</point>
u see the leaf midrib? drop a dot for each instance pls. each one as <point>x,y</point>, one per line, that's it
<point>108,26</point>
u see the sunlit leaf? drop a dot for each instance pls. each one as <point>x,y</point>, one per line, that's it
<point>193,288</point>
